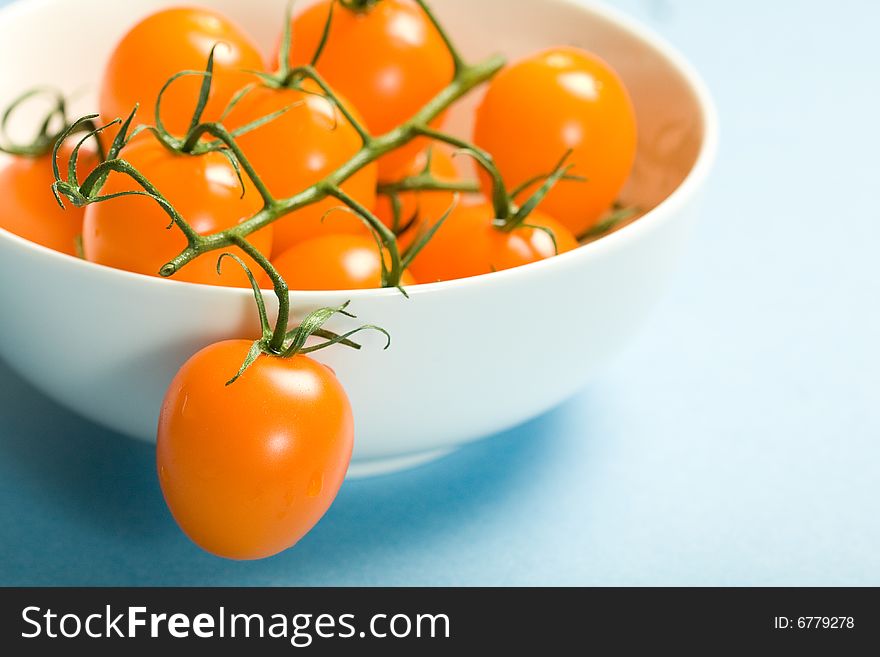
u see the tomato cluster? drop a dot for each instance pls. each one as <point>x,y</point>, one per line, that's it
<point>554,139</point>
<point>384,60</point>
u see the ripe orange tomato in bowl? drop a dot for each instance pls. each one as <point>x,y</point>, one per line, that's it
<point>469,244</point>
<point>574,101</point>
<point>29,208</point>
<point>168,42</point>
<point>334,262</point>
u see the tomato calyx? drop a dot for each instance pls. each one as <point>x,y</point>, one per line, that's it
<point>520,214</point>
<point>508,215</point>
<point>295,340</point>
<point>617,217</point>
<point>287,77</point>
<point>359,6</point>
<point>54,127</point>
<point>423,181</point>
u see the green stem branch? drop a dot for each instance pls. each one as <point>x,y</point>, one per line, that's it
<point>310,73</point>
<point>427,183</point>
<point>467,79</point>
<point>501,200</point>
<point>457,60</point>
<point>391,278</point>
<point>217,131</point>
<point>276,343</point>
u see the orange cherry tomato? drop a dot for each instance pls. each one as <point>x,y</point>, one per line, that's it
<point>130,232</point>
<point>425,207</point>
<point>249,468</point>
<point>388,60</point>
<point>168,42</point>
<point>560,99</point>
<point>468,244</point>
<point>28,207</point>
<point>298,149</point>
<point>334,262</point>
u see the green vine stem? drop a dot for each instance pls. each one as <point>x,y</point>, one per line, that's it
<point>467,79</point>
<point>53,126</point>
<point>310,73</point>
<point>219,132</point>
<point>278,341</point>
<point>457,60</point>
<point>619,215</point>
<point>294,341</point>
<point>501,200</point>
<point>385,237</point>
<point>425,182</point>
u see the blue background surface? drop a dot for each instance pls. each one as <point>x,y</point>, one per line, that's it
<point>737,441</point>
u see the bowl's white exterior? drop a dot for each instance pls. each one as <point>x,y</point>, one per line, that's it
<point>469,357</point>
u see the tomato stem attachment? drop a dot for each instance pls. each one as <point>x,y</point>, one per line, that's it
<point>325,35</point>
<point>385,237</point>
<point>359,6</point>
<point>225,137</point>
<point>619,215</point>
<point>310,73</point>
<point>523,212</point>
<point>293,341</point>
<point>276,342</point>
<point>54,125</point>
<point>457,60</point>
<point>501,200</point>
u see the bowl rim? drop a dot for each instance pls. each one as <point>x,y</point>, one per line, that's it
<point>660,213</point>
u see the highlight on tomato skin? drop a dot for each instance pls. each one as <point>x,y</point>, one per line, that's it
<point>139,67</point>
<point>561,99</point>
<point>334,262</point>
<point>130,232</point>
<point>29,209</point>
<point>310,140</point>
<point>247,469</point>
<point>469,244</point>
<point>388,60</point>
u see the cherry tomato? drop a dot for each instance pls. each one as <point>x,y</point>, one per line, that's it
<point>426,207</point>
<point>334,262</point>
<point>561,99</point>
<point>28,207</point>
<point>168,42</point>
<point>388,60</point>
<point>249,468</point>
<point>297,150</point>
<point>130,232</point>
<point>468,244</point>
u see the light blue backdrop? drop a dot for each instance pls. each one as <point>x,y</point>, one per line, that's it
<point>737,442</point>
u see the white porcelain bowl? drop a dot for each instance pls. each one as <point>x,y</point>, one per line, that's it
<point>469,357</point>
